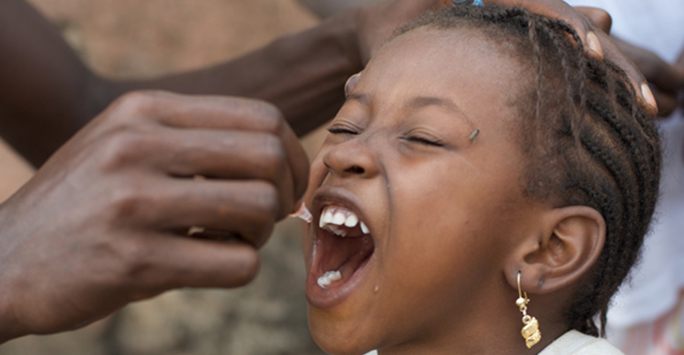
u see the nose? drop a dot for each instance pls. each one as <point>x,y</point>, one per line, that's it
<point>352,158</point>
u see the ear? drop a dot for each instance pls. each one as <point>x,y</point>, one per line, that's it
<point>567,243</point>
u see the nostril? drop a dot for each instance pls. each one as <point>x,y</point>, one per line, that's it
<point>355,170</point>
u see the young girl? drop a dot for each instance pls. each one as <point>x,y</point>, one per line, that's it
<point>482,181</point>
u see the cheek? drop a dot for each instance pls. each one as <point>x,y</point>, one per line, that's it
<point>444,229</point>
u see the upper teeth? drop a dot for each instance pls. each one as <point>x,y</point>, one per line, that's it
<point>334,217</point>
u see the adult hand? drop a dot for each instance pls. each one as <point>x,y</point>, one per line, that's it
<point>666,80</point>
<point>104,221</point>
<point>376,24</point>
<point>597,43</point>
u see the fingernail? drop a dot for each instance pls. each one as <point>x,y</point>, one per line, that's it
<point>649,99</point>
<point>303,213</point>
<point>351,84</point>
<point>195,230</point>
<point>594,44</point>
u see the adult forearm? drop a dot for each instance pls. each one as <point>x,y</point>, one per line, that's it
<point>302,74</point>
<point>46,93</point>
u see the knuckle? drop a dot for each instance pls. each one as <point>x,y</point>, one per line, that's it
<point>135,260</point>
<point>133,102</point>
<point>136,102</point>
<point>267,201</point>
<point>271,117</point>
<point>275,158</point>
<point>127,202</point>
<point>126,259</point>
<point>123,145</point>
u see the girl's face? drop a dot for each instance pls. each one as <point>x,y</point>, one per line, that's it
<point>440,212</point>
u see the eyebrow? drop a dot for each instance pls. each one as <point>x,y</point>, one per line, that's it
<point>418,103</point>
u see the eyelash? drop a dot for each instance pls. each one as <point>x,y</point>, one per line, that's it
<point>415,139</point>
<point>340,130</point>
<point>423,140</point>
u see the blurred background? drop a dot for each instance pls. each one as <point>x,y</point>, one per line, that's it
<point>132,38</point>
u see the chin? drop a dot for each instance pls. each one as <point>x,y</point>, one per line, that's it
<point>337,337</point>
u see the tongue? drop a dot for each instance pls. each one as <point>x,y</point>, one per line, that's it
<point>345,255</point>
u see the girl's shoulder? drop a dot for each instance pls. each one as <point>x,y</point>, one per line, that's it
<point>576,343</point>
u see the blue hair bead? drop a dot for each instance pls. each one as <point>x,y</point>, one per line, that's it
<point>474,2</point>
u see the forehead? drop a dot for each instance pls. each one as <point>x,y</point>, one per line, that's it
<point>464,64</point>
<point>460,50</point>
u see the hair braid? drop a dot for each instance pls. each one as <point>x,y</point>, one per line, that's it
<point>587,140</point>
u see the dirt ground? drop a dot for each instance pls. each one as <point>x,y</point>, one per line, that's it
<point>131,38</point>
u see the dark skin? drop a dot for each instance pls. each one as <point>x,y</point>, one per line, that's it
<point>99,225</point>
<point>667,80</point>
<point>103,221</point>
<point>591,24</point>
<point>450,223</point>
<point>36,63</point>
<point>85,240</point>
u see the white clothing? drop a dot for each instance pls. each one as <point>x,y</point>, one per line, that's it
<point>656,281</point>
<point>574,343</point>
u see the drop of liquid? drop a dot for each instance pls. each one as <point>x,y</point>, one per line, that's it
<point>376,289</point>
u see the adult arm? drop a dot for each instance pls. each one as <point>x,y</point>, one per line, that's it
<point>47,93</point>
<point>104,221</point>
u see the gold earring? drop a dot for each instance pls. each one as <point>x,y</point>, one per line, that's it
<point>530,330</point>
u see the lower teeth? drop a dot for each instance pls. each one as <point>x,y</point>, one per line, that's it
<point>328,278</point>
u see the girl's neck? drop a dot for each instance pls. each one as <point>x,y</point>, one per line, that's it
<point>490,334</point>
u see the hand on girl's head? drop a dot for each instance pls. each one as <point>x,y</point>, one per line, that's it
<point>592,26</point>
<point>425,229</point>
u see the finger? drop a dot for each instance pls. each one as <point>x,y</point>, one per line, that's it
<point>604,47</point>
<point>641,89</point>
<point>229,113</point>
<point>246,209</point>
<point>164,262</point>
<point>667,102</point>
<point>221,113</point>
<point>229,155</point>
<point>657,71</point>
<point>599,17</point>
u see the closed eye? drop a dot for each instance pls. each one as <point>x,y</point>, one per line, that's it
<point>426,141</point>
<point>341,130</point>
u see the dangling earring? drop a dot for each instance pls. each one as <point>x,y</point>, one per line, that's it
<point>530,331</point>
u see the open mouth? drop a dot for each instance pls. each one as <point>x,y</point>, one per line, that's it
<point>343,246</point>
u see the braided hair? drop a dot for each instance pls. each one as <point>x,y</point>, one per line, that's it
<point>586,140</point>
